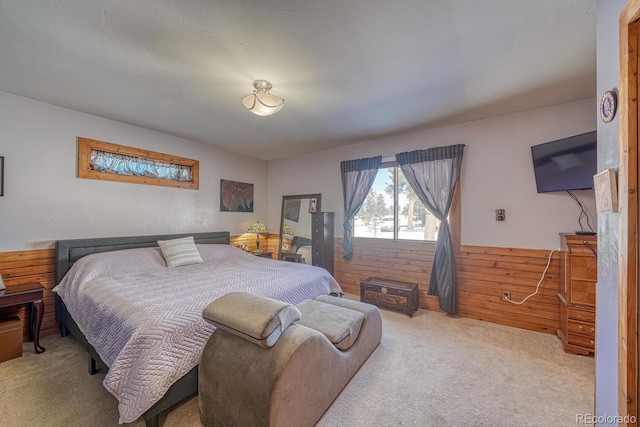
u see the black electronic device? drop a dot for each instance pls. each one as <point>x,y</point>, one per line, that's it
<point>566,164</point>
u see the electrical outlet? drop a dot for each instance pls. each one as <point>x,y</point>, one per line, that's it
<point>506,295</point>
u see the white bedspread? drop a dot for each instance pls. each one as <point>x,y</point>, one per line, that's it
<point>145,320</point>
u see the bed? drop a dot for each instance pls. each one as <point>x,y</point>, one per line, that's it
<point>142,321</point>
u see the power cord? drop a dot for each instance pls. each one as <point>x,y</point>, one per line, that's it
<point>539,282</point>
<point>582,212</point>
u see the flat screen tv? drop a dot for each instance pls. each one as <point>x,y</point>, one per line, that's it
<point>566,164</point>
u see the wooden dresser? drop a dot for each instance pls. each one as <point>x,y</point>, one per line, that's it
<point>579,273</point>
<point>322,240</point>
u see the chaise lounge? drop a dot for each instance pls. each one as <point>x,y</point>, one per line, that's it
<point>270,363</point>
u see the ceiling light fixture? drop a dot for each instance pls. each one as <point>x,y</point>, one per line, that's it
<point>261,102</point>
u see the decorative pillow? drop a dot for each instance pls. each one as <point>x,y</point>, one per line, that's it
<point>305,251</point>
<point>179,252</point>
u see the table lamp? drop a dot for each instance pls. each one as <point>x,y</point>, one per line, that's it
<point>287,231</point>
<point>258,228</point>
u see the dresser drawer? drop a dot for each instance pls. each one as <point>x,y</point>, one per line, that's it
<point>582,292</point>
<point>586,329</point>
<point>581,341</point>
<point>584,267</point>
<point>579,248</point>
<point>581,315</point>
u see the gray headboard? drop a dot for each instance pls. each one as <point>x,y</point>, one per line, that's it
<point>299,241</point>
<point>69,251</point>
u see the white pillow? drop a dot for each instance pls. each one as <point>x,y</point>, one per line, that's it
<point>305,252</point>
<point>179,252</point>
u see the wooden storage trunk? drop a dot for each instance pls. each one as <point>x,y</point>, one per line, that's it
<point>392,294</point>
<point>10,338</point>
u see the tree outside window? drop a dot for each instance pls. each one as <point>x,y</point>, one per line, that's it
<point>392,210</point>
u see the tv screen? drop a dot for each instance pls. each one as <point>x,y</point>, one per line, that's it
<point>565,164</point>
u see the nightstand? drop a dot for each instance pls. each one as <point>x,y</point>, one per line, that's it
<point>290,256</point>
<point>27,293</point>
<point>263,254</point>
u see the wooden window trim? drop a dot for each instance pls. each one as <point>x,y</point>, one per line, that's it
<point>85,146</point>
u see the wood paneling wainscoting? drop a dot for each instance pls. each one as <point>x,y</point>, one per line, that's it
<point>31,266</point>
<point>483,274</point>
<point>407,261</point>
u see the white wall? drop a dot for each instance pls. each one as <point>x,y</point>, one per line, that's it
<point>497,173</point>
<point>45,201</point>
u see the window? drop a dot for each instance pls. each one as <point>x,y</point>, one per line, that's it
<point>393,211</point>
<point>113,162</point>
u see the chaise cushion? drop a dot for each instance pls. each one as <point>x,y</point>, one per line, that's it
<point>340,325</point>
<point>257,319</point>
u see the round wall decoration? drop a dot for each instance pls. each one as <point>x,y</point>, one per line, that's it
<point>608,106</point>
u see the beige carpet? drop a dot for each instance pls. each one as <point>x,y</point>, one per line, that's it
<point>430,370</point>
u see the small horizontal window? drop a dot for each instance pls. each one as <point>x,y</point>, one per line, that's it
<point>112,162</point>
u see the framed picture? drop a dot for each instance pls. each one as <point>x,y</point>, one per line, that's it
<point>606,190</point>
<point>292,210</point>
<point>313,205</point>
<point>1,176</point>
<point>236,196</point>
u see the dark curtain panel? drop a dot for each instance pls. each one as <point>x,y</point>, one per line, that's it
<point>433,175</point>
<point>357,178</point>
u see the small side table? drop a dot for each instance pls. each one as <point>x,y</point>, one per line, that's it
<point>27,293</point>
<point>263,254</point>
<point>290,256</point>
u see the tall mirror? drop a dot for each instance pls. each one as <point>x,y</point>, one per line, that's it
<point>295,226</point>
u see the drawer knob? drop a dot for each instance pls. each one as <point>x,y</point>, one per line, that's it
<point>384,290</point>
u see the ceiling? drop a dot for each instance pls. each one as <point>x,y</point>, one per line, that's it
<point>349,71</point>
